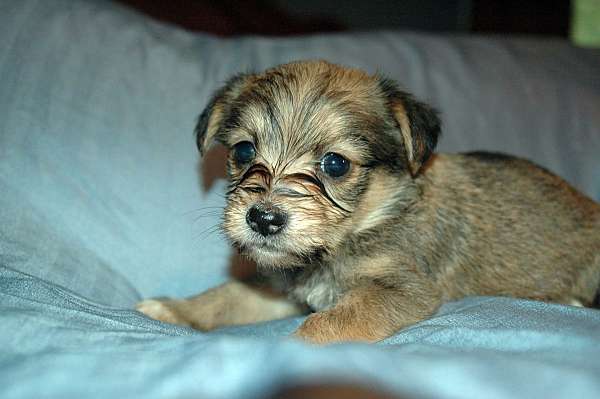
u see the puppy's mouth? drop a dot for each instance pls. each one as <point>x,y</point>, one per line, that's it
<point>269,252</point>
<point>261,247</point>
<point>266,248</point>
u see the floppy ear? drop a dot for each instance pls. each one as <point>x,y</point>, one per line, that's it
<point>418,123</point>
<point>211,120</point>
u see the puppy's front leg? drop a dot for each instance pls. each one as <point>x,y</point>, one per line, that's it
<point>368,313</point>
<point>232,303</point>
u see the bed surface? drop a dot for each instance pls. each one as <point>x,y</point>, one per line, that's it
<point>103,202</point>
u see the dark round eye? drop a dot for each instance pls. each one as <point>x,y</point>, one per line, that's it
<point>334,164</point>
<point>244,152</point>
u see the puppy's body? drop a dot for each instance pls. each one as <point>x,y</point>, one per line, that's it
<point>336,195</point>
<point>469,232</point>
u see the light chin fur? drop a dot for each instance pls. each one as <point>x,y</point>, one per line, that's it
<point>268,258</point>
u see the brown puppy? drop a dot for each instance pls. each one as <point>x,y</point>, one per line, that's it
<point>335,193</point>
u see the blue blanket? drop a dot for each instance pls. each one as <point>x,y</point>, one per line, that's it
<point>63,345</point>
<point>102,204</point>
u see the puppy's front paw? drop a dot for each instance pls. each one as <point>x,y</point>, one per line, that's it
<point>162,310</point>
<point>318,328</point>
<point>329,327</point>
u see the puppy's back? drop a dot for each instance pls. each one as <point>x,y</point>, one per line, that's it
<point>521,230</point>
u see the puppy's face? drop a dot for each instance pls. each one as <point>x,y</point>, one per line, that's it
<point>317,153</point>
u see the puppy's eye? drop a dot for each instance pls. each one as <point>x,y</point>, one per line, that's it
<point>334,164</point>
<point>243,152</point>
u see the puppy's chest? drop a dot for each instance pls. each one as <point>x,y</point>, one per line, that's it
<point>318,287</point>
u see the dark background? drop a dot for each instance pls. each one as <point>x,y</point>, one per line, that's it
<point>290,17</point>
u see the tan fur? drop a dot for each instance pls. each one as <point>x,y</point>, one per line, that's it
<point>403,231</point>
<point>381,195</point>
<point>215,121</point>
<point>229,304</point>
<point>357,316</point>
<point>400,114</point>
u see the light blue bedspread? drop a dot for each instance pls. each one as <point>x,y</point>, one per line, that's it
<point>101,205</point>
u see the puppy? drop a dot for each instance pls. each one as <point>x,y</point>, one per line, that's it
<point>336,195</point>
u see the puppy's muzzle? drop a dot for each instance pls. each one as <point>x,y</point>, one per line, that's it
<point>266,221</point>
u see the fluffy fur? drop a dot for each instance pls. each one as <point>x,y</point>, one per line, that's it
<point>405,230</point>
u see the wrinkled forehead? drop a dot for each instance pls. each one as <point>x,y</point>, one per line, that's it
<point>291,118</point>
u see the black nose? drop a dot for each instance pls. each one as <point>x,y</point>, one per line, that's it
<point>265,221</point>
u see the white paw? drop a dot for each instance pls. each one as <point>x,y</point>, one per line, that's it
<point>160,310</point>
<point>575,302</point>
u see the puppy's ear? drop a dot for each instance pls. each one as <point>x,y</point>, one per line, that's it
<point>418,123</point>
<point>211,120</point>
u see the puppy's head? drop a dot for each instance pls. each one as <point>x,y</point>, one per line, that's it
<point>318,153</point>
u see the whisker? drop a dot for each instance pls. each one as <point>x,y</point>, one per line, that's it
<point>202,209</point>
<point>207,232</point>
<point>205,216</point>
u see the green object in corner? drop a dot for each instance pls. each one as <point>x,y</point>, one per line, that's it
<point>585,24</point>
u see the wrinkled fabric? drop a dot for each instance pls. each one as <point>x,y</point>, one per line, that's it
<point>103,203</point>
<point>66,346</point>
